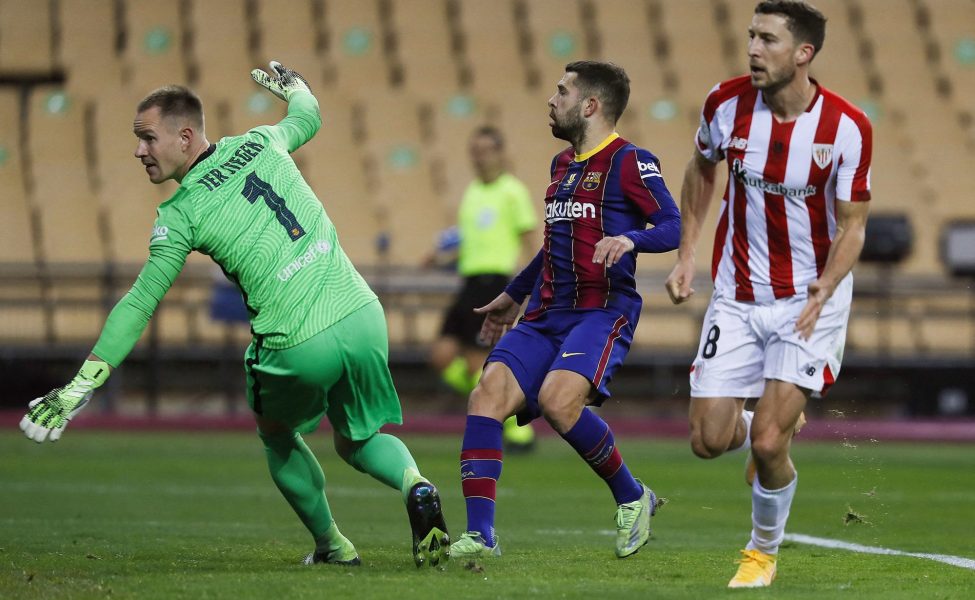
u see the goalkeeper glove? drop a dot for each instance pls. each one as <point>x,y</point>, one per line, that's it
<point>48,416</point>
<point>284,84</point>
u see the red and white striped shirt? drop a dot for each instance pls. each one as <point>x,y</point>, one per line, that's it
<point>778,216</point>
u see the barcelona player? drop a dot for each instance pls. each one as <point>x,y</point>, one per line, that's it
<point>582,311</point>
<point>319,334</point>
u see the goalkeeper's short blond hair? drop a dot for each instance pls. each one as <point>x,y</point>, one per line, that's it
<point>175,101</point>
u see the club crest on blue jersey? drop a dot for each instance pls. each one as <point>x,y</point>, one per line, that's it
<point>592,180</point>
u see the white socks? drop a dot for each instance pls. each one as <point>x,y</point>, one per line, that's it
<point>770,511</point>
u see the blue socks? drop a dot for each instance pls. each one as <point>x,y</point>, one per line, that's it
<point>593,440</point>
<point>480,469</point>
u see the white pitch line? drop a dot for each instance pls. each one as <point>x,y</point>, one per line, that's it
<point>957,561</point>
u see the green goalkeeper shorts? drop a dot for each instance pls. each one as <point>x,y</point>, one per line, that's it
<point>342,372</point>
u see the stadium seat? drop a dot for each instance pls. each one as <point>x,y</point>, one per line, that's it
<point>876,329</point>
<point>839,65</point>
<point>423,44</point>
<point>235,115</point>
<point>908,81</point>
<point>174,318</point>
<point>16,240</point>
<point>16,234</point>
<point>943,332</point>
<point>357,48</point>
<point>70,219</point>
<point>124,190</point>
<point>953,26</point>
<point>333,168</point>
<point>695,57</point>
<point>498,67</point>
<point>291,33</point>
<point>415,325</point>
<point>558,37</point>
<point>390,119</point>
<point>88,47</point>
<point>153,54</point>
<point>22,324</point>
<point>625,39</point>
<point>221,54</point>
<point>455,118</point>
<point>25,38</point>
<point>663,327</point>
<point>78,308</point>
<point>410,213</point>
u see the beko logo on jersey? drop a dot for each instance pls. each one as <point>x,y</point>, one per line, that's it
<point>648,167</point>
<point>738,169</point>
<point>565,210</point>
<point>159,233</point>
<point>320,248</point>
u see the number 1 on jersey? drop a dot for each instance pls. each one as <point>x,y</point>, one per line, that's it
<point>255,187</point>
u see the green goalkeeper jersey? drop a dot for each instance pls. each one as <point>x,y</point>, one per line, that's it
<point>246,205</point>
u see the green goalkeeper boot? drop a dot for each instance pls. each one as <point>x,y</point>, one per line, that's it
<point>340,552</point>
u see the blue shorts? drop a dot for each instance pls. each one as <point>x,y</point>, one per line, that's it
<point>590,342</point>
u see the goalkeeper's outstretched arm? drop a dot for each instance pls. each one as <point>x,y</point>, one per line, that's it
<point>48,415</point>
<point>304,117</point>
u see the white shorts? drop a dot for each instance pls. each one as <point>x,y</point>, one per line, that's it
<point>744,343</point>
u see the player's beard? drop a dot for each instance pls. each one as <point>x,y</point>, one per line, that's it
<point>781,80</point>
<point>571,127</point>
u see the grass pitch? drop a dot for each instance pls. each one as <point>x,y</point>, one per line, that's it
<point>195,515</point>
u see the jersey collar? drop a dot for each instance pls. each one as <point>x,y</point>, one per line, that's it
<point>206,154</point>
<point>609,139</point>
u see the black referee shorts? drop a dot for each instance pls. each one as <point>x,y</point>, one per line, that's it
<point>461,321</point>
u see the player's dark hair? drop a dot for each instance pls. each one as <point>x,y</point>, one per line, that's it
<point>492,132</point>
<point>806,23</point>
<point>175,101</point>
<point>604,80</point>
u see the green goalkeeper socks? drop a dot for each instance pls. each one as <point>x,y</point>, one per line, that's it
<point>299,476</point>
<point>459,378</point>
<point>384,457</point>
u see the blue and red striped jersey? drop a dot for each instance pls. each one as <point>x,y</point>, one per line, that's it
<point>616,189</point>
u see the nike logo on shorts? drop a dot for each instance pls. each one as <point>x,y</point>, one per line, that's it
<point>568,354</point>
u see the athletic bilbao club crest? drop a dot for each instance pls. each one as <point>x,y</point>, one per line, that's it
<point>822,155</point>
<point>591,181</point>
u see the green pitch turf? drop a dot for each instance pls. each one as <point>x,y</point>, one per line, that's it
<point>195,515</point>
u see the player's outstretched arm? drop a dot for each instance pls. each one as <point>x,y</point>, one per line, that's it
<point>695,199</point>
<point>283,83</point>
<point>304,115</point>
<point>499,316</point>
<point>49,415</point>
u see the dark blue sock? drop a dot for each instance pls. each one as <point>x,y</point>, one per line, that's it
<point>480,469</point>
<point>593,440</point>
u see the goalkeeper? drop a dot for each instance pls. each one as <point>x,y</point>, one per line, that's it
<point>319,333</point>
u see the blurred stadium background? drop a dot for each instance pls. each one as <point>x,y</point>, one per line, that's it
<point>401,84</point>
